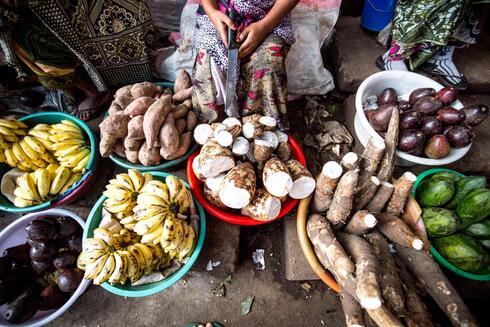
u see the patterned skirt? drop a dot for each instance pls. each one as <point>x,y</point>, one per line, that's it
<point>261,88</point>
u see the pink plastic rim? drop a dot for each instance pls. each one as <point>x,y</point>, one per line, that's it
<point>230,217</point>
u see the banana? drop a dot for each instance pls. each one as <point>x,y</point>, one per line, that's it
<point>52,167</point>
<point>19,153</point>
<point>28,185</point>
<point>62,145</point>
<point>68,150</point>
<point>20,193</point>
<point>34,144</point>
<point>69,183</point>
<point>81,261</point>
<point>59,137</point>
<point>3,144</point>
<point>103,234</point>
<point>149,199</point>
<point>153,236</point>
<point>144,212</point>
<point>11,138</point>
<point>125,181</point>
<point>7,131</point>
<point>117,192</point>
<point>157,188</point>
<point>127,220</point>
<point>177,237</point>
<point>133,269</point>
<point>93,268</point>
<point>10,158</point>
<point>147,255</point>
<point>93,255</point>
<point>30,152</point>
<point>43,181</point>
<point>174,186</point>
<point>106,271</point>
<point>136,253</point>
<point>137,179</point>
<point>119,207</point>
<point>119,269</point>
<point>183,198</point>
<point>41,127</point>
<point>73,160</point>
<point>62,127</point>
<point>129,226</point>
<point>22,203</point>
<point>167,234</point>
<point>2,157</point>
<point>188,246</point>
<point>148,177</point>
<point>12,124</point>
<point>82,164</point>
<point>70,123</point>
<point>62,176</point>
<point>91,244</point>
<point>144,226</point>
<point>19,132</point>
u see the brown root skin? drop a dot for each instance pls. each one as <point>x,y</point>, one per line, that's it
<point>238,187</point>
<point>398,232</point>
<point>303,181</point>
<point>263,206</point>
<point>181,124</point>
<point>390,283</point>
<point>154,118</point>
<point>182,81</point>
<point>354,315</point>
<point>192,121</point>
<point>369,161</point>
<point>380,198</point>
<point>132,156</point>
<point>138,106</point>
<point>361,223</point>
<point>343,197</point>
<point>433,281</point>
<point>364,196</point>
<point>149,156</point>
<point>184,144</point>
<point>168,137</point>
<point>179,111</point>
<point>182,95</point>
<point>367,269</point>
<point>214,159</point>
<point>112,128</point>
<point>283,151</point>
<point>402,187</point>
<point>326,183</point>
<point>387,163</point>
<point>416,312</point>
<point>119,149</point>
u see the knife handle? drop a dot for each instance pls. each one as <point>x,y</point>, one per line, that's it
<point>232,44</point>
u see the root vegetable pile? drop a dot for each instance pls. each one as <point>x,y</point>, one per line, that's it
<point>147,124</point>
<point>246,165</point>
<point>359,218</point>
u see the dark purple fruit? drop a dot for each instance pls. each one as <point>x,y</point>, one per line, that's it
<point>404,105</point>
<point>410,120</point>
<point>437,147</point>
<point>40,230</point>
<point>18,253</point>
<point>475,114</point>
<point>20,269</point>
<point>450,116</point>
<point>10,288</point>
<point>420,93</point>
<point>447,95</point>
<point>427,105</point>
<point>430,126</point>
<point>5,267</point>
<point>75,243</point>
<point>65,260</point>
<point>22,309</point>
<point>380,118</point>
<point>43,251</point>
<point>69,279</point>
<point>410,139</point>
<point>42,267</point>
<point>418,151</point>
<point>52,298</point>
<point>66,227</point>
<point>459,136</point>
<point>387,96</point>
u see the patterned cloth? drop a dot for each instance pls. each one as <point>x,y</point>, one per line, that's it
<point>262,87</point>
<point>206,36</point>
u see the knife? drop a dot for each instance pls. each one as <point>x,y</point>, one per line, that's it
<point>231,102</point>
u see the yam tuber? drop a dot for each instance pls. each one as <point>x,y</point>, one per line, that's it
<point>224,138</point>
<point>195,169</point>
<point>398,232</point>
<point>276,177</point>
<point>343,197</point>
<point>433,281</point>
<point>238,186</point>
<point>112,128</point>
<point>252,130</point>
<point>214,159</point>
<point>402,187</point>
<point>364,196</point>
<point>213,197</point>
<point>240,146</point>
<point>387,163</point>
<point>169,137</point>
<point>123,100</point>
<point>380,198</point>
<point>367,269</point>
<point>326,183</point>
<point>144,89</point>
<point>349,161</point>
<point>154,118</point>
<point>135,134</point>
<point>262,150</point>
<point>138,106</point>
<point>269,123</point>
<point>264,206</point>
<point>182,95</point>
<point>125,90</point>
<point>182,81</point>
<point>354,315</point>
<point>303,181</point>
<point>132,156</point>
<point>369,160</point>
<point>202,133</point>
<point>184,144</point>
<point>149,156</point>
<point>114,108</point>
<point>270,137</point>
<point>361,223</point>
<point>251,118</point>
<point>283,150</point>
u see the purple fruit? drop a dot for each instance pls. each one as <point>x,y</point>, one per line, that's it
<point>447,95</point>
<point>437,147</point>
<point>475,114</point>
<point>427,105</point>
<point>410,139</point>
<point>409,120</point>
<point>420,93</point>
<point>69,279</point>
<point>387,96</point>
<point>459,136</point>
<point>404,105</point>
<point>450,116</point>
<point>430,126</point>
<point>380,118</point>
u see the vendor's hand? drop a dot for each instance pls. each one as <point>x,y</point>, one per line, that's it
<point>222,23</point>
<point>251,37</point>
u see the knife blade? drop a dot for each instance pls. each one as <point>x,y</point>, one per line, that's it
<point>231,102</point>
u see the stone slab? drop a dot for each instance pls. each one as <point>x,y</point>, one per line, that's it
<point>474,63</point>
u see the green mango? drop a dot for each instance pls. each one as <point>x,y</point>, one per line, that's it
<point>464,186</point>
<point>474,206</point>
<point>440,221</point>
<point>435,192</point>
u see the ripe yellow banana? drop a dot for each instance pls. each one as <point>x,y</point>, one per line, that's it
<point>61,127</point>
<point>117,192</point>
<point>144,226</point>
<point>41,127</point>
<point>177,237</point>
<point>19,153</point>
<point>103,234</point>
<point>118,207</point>
<point>119,269</point>
<point>72,180</point>
<point>2,157</point>
<point>10,158</point>
<point>43,181</point>
<point>125,181</point>
<point>91,244</point>
<point>82,164</point>
<point>28,185</point>
<point>70,142</point>
<point>167,234</point>
<point>93,268</point>
<point>3,144</point>
<point>30,152</point>
<point>52,167</point>
<point>62,176</point>
<point>153,236</point>
<point>136,253</point>
<point>59,137</point>
<point>34,144</point>
<point>11,138</point>
<point>137,179</point>
<point>127,220</point>
<point>22,203</point>
<point>12,124</point>
<point>73,160</point>
<point>81,261</point>
<point>68,150</point>
<point>6,131</point>
<point>133,271</point>
<point>147,255</point>
<point>188,245</point>
<point>174,185</point>
<point>149,199</point>
<point>157,188</point>
<point>106,271</point>
<point>142,212</point>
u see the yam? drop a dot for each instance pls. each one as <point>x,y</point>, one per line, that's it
<point>251,118</point>
<point>132,156</point>
<point>240,146</point>
<point>169,137</point>
<point>132,144</point>
<point>202,133</point>
<point>154,118</point>
<point>138,106</point>
<point>188,103</point>
<point>179,111</point>
<point>252,130</point>
<point>214,183</point>
<point>402,187</point>
<point>398,232</point>
<point>235,130</point>
<point>361,223</point>
<point>250,154</point>
<point>185,141</point>
<point>238,186</point>
<point>281,136</point>
<point>144,89</point>
<point>182,95</point>
<point>214,159</point>
<point>270,137</point>
<point>343,197</point>
<point>180,125</point>
<point>112,128</point>
<point>264,206</point>
<point>387,163</point>
<point>135,133</point>
<point>326,183</point>
<point>349,161</point>
<point>123,100</point>
<point>262,150</point>
<point>380,198</point>
<point>269,123</point>
<point>191,120</point>
<point>276,178</point>
<point>283,151</point>
<point>213,197</point>
<point>303,181</point>
<point>182,81</point>
<point>125,90</point>
<point>231,121</point>
<point>195,169</point>
<point>370,160</point>
<point>224,138</point>
<point>364,196</point>
<point>149,156</point>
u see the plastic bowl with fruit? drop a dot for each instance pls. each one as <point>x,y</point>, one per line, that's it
<point>434,127</point>
<point>41,281</point>
<point>60,174</point>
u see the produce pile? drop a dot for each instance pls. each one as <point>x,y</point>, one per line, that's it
<point>359,218</point>
<point>147,229</point>
<point>146,124</point>
<point>246,164</point>
<point>53,157</point>
<point>455,213</point>
<point>41,274</point>
<point>429,125</point>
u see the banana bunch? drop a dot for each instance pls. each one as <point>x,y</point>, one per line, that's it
<point>68,146</point>
<point>179,195</point>
<point>122,191</point>
<point>178,238</point>
<point>10,130</point>
<point>43,184</point>
<point>116,258</point>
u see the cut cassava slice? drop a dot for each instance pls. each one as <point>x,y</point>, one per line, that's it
<point>238,186</point>
<point>214,183</point>
<point>403,186</point>
<point>303,181</point>
<point>361,223</point>
<point>398,232</point>
<point>343,197</point>
<point>364,196</point>
<point>263,150</point>
<point>264,206</point>
<point>276,177</point>
<point>240,146</point>
<point>214,159</point>
<point>270,137</point>
<point>387,162</point>
<point>326,183</point>
<point>429,274</point>
<point>195,169</point>
<point>380,198</point>
<point>213,197</point>
<point>224,138</point>
<point>350,161</point>
<point>202,133</point>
